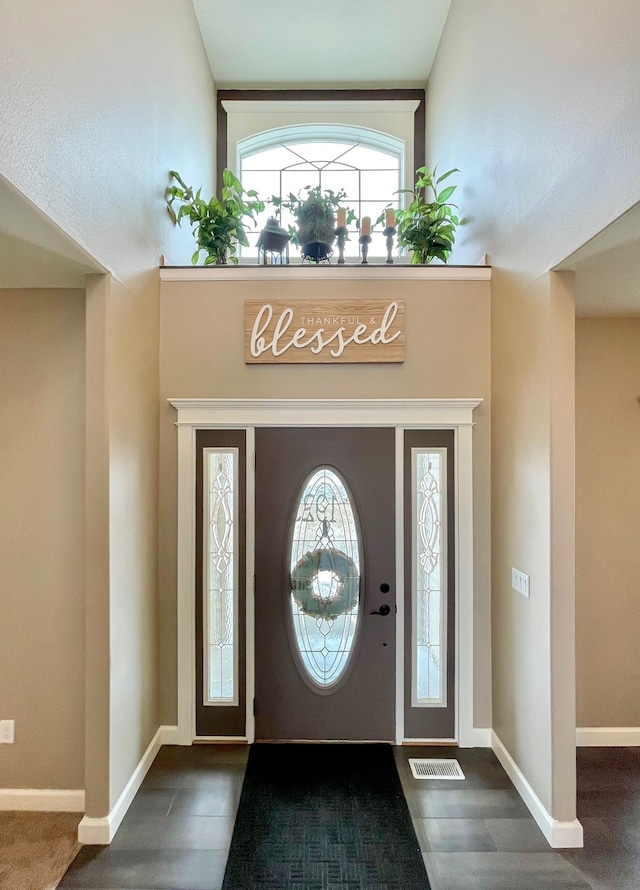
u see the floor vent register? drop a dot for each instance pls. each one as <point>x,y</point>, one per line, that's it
<point>435,769</point>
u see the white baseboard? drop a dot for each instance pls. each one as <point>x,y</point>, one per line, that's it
<point>169,735</point>
<point>101,830</point>
<point>222,739</point>
<point>473,738</point>
<point>607,736</point>
<point>45,800</point>
<point>559,834</point>
<point>478,737</point>
<point>425,741</point>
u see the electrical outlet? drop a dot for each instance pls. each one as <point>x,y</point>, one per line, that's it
<point>7,729</point>
<point>520,582</point>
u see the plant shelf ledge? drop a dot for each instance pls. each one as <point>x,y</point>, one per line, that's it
<point>333,272</point>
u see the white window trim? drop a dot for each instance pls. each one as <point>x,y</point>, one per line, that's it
<point>324,114</point>
<point>456,414</point>
<point>330,106</point>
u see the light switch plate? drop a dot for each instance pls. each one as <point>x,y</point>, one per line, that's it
<point>520,582</point>
<point>7,728</point>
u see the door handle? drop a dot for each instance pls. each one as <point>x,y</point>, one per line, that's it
<point>383,610</point>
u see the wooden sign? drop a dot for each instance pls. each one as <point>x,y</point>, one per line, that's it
<point>328,331</point>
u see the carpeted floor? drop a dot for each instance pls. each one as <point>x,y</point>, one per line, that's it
<point>323,817</point>
<point>36,849</point>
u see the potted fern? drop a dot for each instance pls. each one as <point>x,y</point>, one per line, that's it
<point>427,225</point>
<point>315,229</point>
<point>218,224</point>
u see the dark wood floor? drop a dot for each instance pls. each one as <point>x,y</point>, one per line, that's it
<point>474,835</point>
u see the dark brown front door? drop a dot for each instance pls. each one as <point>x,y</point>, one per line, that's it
<point>325,584</point>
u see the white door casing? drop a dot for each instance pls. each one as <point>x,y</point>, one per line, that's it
<point>456,414</point>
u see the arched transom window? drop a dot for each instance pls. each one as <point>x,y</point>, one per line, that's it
<point>365,164</point>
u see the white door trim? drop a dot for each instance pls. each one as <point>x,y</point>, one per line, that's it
<point>194,414</point>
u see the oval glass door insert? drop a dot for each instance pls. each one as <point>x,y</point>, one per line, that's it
<point>325,558</point>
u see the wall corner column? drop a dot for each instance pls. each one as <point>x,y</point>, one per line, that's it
<point>97,617</point>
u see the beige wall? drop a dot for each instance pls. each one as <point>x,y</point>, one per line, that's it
<point>520,518</point>
<point>202,356</point>
<point>532,529</point>
<point>608,521</point>
<point>511,101</point>
<point>133,511</point>
<point>121,533</point>
<point>41,537</point>
<point>98,102</point>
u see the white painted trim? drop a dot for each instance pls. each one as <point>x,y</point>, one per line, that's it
<point>559,834</point>
<point>102,830</point>
<point>607,736</point>
<point>463,456</point>
<point>399,585</point>
<point>352,272</point>
<point>250,630</point>
<point>95,831</point>
<point>42,800</point>
<point>240,739</point>
<point>433,742</point>
<point>186,584</point>
<point>478,737</point>
<point>409,413</point>
<point>299,106</point>
<point>169,735</point>
<point>454,414</point>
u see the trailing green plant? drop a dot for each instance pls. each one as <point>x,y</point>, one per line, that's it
<point>427,225</point>
<point>314,214</point>
<point>218,224</point>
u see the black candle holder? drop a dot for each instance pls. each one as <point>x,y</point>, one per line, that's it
<point>341,235</point>
<point>365,241</point>
<point>389,232</point>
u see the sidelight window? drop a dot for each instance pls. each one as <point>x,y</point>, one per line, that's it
<point>429,577</point>
<point>221,576</point>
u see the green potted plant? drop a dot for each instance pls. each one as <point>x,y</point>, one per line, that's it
<point>315,229</point>
<point>218,224</point>
<point>428,224</point>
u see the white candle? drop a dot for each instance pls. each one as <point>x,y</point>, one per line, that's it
<point>342,217</point>
<point>390,218</point>
<point>365,228</point>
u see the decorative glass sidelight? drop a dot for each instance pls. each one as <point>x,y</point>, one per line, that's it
<point>429,582</point>
<point>221,576</point>
<point>325,564</point>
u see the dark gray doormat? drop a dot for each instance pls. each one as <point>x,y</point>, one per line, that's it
<point>323,817</point>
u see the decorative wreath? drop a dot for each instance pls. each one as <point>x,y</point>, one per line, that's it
<point>305,573</point>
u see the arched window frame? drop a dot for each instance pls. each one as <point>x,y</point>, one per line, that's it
<point>340,133</point>
<point>246,113</point>
<point>335,134</point>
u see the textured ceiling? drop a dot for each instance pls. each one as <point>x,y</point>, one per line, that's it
<point>274,42</point>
